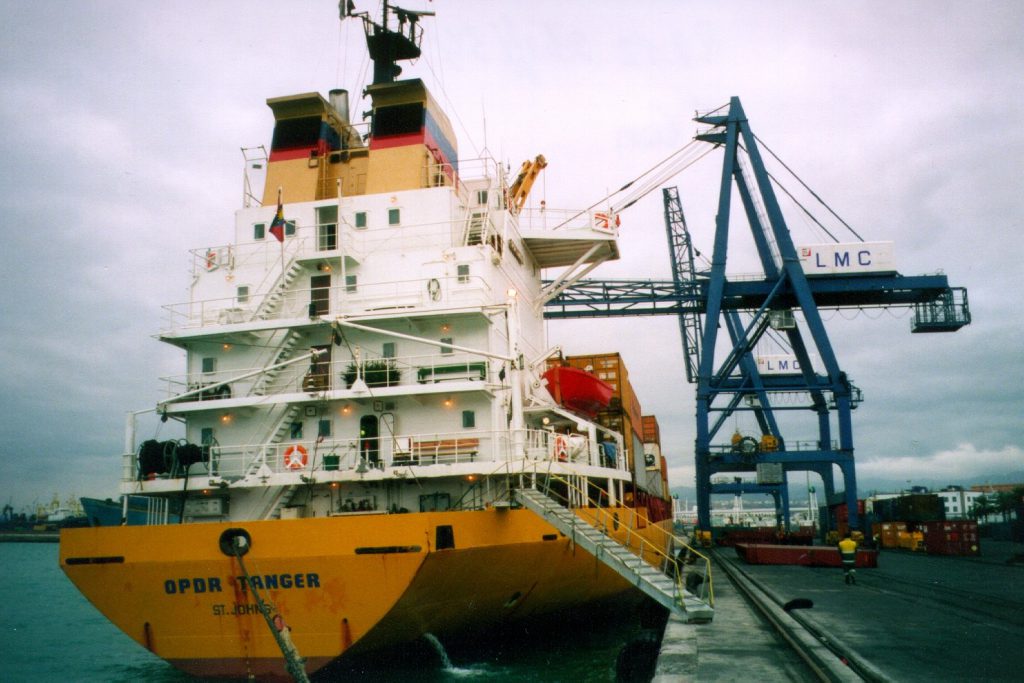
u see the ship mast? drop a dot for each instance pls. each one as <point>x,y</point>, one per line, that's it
<point>386,46</point>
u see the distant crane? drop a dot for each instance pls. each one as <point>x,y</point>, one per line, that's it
<point>708,303</point>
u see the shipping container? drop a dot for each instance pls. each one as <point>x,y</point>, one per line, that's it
<point>847,258</point>
<point>841,513</point>
<point>915,507</point>
<point>910,540</point>
<point>651,431</point>
<point>951,537</point>
<point>888,533</point>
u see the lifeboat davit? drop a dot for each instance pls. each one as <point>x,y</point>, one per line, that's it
<point>578,390</point>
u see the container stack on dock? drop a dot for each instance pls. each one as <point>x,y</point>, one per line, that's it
<point>917,522</point>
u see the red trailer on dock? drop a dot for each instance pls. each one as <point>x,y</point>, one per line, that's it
<point>802,555</point>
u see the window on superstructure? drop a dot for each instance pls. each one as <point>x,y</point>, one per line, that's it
<point>242,294</point>
<point>289,228</point>
<point>209,365</point>
<point>295,431</point>
<point>323,429</point>
<point>296,133</point>
<point>351,284</point>
<point>360,220</point>
<point>445,348</point>
<point>468,419</point>
<point>206,436</point>
<point>394,216</point>
<point>259,231</point>
<point>401,119</point>
<point>388,350</point>
<point>327,228</point>
<point>463,271</point>
<point>481,197</point>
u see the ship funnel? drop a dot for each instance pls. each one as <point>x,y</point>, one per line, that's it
<point>339,100</point>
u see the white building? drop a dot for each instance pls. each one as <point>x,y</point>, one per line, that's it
<point>958,502</point>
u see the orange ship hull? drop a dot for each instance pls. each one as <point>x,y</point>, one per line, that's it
<point>342,584</point>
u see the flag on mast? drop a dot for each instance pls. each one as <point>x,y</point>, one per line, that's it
<point>277,227</point>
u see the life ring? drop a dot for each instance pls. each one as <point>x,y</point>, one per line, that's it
<point>212,260</point>
<point>603,220</point>
<point>561,448</point>
<point>434,289</point>
<point>296,457</point>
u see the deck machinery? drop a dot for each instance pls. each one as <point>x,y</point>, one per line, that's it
<point>721,322</point>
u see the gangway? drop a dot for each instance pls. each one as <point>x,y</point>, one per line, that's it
<point>668,592</point>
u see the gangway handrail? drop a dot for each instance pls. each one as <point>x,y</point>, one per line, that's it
<point>602,519</point>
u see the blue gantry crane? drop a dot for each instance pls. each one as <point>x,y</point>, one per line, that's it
<point>721,322</point>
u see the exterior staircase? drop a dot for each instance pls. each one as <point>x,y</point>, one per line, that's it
<point>265,381</point>
<point>278,430</point>
<point>476,226</point>
<point>270,306</point>
<point>652,582</point>
<point>280,501</point>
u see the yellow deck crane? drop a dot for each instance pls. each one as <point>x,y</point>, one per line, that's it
<point>520,187</point>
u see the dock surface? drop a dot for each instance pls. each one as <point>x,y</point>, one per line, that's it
<point>916,617</point>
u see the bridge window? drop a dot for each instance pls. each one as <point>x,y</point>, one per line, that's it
<point>394,216</point>
<point>298,132</point>
<point>401,119</point>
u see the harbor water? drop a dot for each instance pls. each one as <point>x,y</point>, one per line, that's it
<point>52,633</point>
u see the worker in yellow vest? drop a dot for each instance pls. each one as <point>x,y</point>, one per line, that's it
<point>848,553</point>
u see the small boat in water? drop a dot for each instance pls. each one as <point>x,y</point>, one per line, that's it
<point>370,452</point>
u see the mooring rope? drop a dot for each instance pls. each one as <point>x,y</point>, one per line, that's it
<point>281,632</point>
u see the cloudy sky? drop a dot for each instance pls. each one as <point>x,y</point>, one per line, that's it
<point>121,125</point>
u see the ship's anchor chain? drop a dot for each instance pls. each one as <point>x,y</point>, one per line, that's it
<point>296,665</point>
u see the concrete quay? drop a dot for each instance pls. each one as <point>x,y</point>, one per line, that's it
<point>916,617</point>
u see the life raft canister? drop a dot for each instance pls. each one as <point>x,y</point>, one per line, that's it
<point>295,457</point>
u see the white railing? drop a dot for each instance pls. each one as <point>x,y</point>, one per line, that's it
<point>421,293</point>
<point>339,373</point>
<point>560,220</point>
<point>361,455</point>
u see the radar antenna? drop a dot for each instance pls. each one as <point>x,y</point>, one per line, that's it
<point>388,45</point>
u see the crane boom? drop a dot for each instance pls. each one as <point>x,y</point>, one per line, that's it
<point>523,183</point>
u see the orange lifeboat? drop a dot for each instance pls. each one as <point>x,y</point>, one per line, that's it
<point>578,390</point>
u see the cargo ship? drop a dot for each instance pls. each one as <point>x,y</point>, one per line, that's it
<point>371,451</point>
